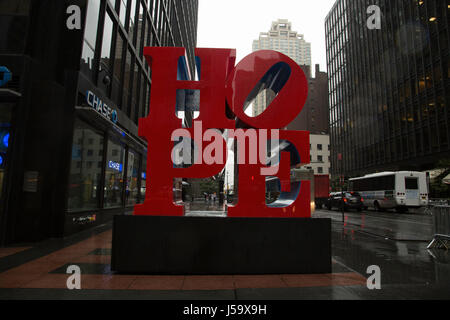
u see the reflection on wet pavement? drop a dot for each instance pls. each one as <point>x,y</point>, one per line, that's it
<point>395,226</point>
<point>205,209</point>
<point>397,243</point>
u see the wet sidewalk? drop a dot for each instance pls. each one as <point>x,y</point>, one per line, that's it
<point>39,272</point>
<point>205,208</point>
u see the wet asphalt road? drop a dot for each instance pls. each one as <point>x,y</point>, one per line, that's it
<point>395,242</point>
<point>413,225</point>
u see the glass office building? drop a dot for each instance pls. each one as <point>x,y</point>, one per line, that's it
<point>72,157</point>
<point>388,88</point>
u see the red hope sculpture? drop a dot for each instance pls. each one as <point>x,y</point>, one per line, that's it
<point>222,85</point>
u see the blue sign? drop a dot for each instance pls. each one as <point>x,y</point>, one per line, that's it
<point>5,75</point>
<point>101,107</point>
<point>6,140</point>
<point>115,166</point>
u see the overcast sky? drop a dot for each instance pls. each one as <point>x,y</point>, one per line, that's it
<point>236,23</point>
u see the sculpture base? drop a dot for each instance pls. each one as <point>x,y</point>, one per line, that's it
<point>213,246</point>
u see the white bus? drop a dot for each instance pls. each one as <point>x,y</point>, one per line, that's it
<point>392,190</point>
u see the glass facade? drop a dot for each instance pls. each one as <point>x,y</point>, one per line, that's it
<point>143,180</point>
<point>90,36</point>
<point>14,19</point>
<point>115,166</point>
<point>5,138</point>
<point>105,58</point>
<point>132,186</point>
<point>388,89</point>
<point>107,172</point>
<point>129,26</point>
<point>70,153</point>
<point>117,170</point>
<point>86,168</point>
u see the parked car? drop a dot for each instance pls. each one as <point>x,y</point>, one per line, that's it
<point>351,200</point>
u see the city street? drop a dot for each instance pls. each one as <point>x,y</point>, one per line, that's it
<point>411,226</point>
<point>397,243</point>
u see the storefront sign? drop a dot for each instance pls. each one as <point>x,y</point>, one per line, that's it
<point>85,219</point>
<point>101,107</point>
<point>225,91</point>
<point>5,75</point>
<point>115,166</point>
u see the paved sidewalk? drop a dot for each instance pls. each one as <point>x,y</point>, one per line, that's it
<point>39,272</point>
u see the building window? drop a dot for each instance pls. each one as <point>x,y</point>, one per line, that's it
<point>132,26</point>
<point>319,147</point>
<point>90,37</point>
<point>320,158</point>
<point>123,11</point>
<point>112,3</point>
<point>132,187</point>
<point>143,177</point>
<point>141,32</point>
<point>126,83</point>
<point>105,57</point>
<point>84,180</point>
<point>117,71</point>
<point>320,170</point>
<point>134,107</point>
<point>114,175</point>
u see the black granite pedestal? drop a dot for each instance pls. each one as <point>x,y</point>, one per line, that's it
<point>212,246</point>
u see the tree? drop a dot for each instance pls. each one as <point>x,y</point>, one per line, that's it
<point>208,185</point>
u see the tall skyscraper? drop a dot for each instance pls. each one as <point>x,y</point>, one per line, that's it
<point>314,118</point>
<point>281,38</point>
<point>389,88</point>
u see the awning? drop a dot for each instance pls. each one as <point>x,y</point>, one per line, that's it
<point>8,93</point>
<point>435,173</point>
<point>446,180</point>
<point>105,124</point>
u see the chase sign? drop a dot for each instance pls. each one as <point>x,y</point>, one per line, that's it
<point>101,107</point>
